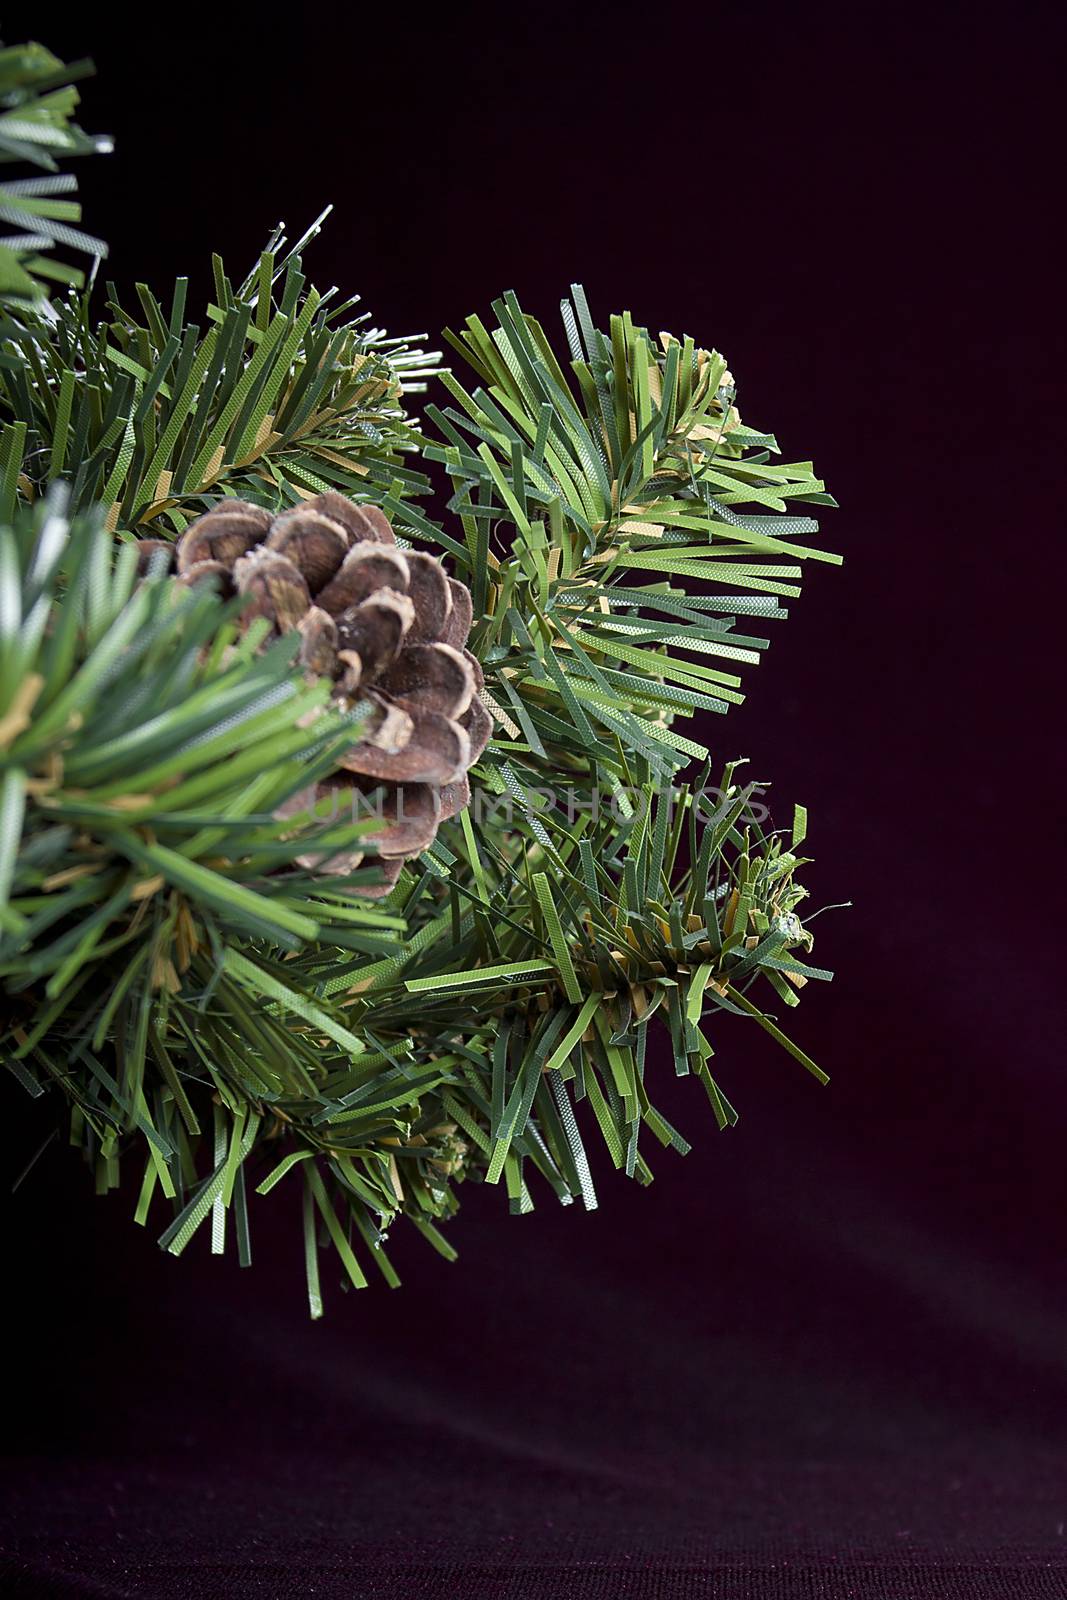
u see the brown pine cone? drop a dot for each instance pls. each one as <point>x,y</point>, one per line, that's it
<point>388,627</point>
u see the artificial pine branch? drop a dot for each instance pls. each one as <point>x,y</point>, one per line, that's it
<point>636,519</point>
<point>191,994</point>
<point>282,395</point>
<point>37,103</point>
<point>227,1018</point>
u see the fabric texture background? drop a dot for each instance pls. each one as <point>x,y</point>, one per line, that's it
<point>824,1355</point>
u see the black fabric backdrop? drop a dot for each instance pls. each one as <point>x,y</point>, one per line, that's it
<point>824,1354</point>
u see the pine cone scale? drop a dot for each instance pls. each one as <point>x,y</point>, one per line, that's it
<point>431,597</point>
<point>221,536</point>
<point>437,750</point>
<point>376,629</point>
<point>313,543</point>
<point>460,617</point>
<point>366,567</point>
<point>430,677</point>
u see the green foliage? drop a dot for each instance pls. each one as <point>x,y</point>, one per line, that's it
<point>215,1012</point>
<point>37,104</point>
<point>586,503</point>
<point>520,1006</point>
<point>284,394</point>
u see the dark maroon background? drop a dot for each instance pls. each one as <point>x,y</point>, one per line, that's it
<point>823,1355</point>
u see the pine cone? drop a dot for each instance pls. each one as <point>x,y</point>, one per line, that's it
<point>388,627</point>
